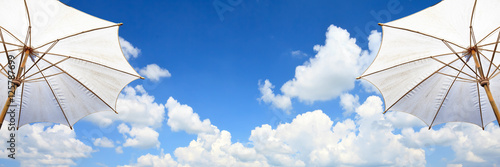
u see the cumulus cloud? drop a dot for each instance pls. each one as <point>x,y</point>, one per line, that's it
<point>154,72</point>
<point>472,145</point>
<point>134,106</point>
<point>128,49</point>
<point>311,139</point>
<point>42,145</point>
<point>139,116</point>
<point>139,137</point>
<point>149,160</point>
<point>217,150</point>
<point>349,102</point>
<point>374,41</point>
<point>182,118</point>
<point>314,139</point>
<point>333,70</point>
<point>103,142</point>
<point>278,101</point>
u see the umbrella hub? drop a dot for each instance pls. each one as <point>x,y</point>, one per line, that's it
<point>484,81</point>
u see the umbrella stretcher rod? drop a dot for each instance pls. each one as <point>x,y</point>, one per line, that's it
<point>16,82</point>
<point>484,81</point>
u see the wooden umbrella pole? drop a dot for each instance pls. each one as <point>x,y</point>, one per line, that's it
<point>14,86</point>
<point>492,102</point>
<point>7,105</point>
<point>484,82</point>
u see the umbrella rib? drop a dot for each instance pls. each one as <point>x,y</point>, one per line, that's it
<point>83,85</point>
<point>454,68</point>
<point>417,86</point>
<point>27,12</point>
<point>491,33</point>
<point>51,46</point>
<point>388,68</point>
<point>12,35</point>
<point>99,64</point>
<point>493,56</point>
<point>480,109</point>
<point>449,47</point>
<point>55,96</point>
<point>494,73</point>
<point>10,50</point>
<point>421,33</point>
<point>52,65</point>
<point>473,36</point>
<point>471,19</point>
<point>473,11</point>
<point>491,61</point>
<point>28,35</point>
<point>445,96</point>
<point>20,105</point>
<point>479,46</point>
<point>83,32</point>
<point>6,52</point>
<point>47,76</point>
<point>4,46</point>
<point>3,67</point>
<point>493,76</point>
<point>448,75</point>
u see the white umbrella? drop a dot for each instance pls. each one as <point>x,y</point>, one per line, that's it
<point>65,64</point>
<point>439,64</point>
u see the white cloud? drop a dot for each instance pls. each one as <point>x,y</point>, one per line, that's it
<point>149,160</point>
<point>403,120</point>
<point>333,70</point>
<point>39,145</point>
<point>314,139</point>
<point>349,102</point>
<point>182,117</point>
<point>374,41</point>
<point>134,106</point>
<point>119,150</point>
<point>311,139</point>
<point>216,150</point>
<point>454,165</point>
<point>128,49</point>
<point>154,72</point>
<point>278,101</point>
<point>103,142</point>
<point>472,145</point>
<point>139,137</point>
<point>299,54</point>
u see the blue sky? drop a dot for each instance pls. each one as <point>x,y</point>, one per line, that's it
<point>224,87</point>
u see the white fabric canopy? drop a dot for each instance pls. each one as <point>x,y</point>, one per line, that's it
<point>418,69</point>
<point>80,68</point>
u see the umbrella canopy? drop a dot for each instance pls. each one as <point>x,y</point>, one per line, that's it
<point>61,63</point>
<point>439,64</point>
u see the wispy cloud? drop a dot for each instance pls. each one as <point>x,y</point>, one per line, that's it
<point>128,49</point>
<point>154,72</point>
